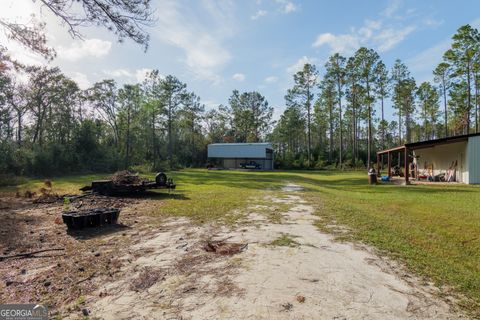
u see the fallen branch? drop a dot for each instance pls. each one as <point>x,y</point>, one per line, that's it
<point>86,279</point>
<point>29,254</point>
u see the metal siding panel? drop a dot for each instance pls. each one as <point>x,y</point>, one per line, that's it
<point>474,160</point>
<point>247,150</point>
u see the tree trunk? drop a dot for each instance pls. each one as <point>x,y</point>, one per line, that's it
<point>399,131</point>
<point>476,102</point>
<point>469,99</point>
<point>330,147</point>
<point>169,120</point>
<point>154,142</point>
<point>354,130</point>
<point>19,129</point>
<point>425,131</point>
<point>193,141</point>
<point>127,142</point>
<point>308,126</point>
<point>369,138</point>
<point>383,124</point>
<point>339,88</point>
<point>445,104</point>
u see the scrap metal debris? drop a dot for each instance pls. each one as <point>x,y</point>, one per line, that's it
<point>225,248</point>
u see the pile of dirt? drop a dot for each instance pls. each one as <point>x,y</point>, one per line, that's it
<point>127,177</point>
<point>47,195</point>
<point>91,201</point>
<point>48,198</point>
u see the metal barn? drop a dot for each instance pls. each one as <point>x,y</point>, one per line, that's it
<point>242,155</point>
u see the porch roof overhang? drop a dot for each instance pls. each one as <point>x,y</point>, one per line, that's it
<point>396,149</point>
<point>429,143</point>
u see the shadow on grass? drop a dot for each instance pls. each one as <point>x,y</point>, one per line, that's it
<point>93,232</point>
<point>154,195</point>
<point>347,181</point>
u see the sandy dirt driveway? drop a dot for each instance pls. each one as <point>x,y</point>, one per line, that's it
<point>174,275</point>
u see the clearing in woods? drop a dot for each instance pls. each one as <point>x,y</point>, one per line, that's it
<point>291,249</point>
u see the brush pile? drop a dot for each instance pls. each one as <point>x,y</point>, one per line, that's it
<point>127,177</point>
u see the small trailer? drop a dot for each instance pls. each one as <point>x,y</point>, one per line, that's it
<point>129,183</point>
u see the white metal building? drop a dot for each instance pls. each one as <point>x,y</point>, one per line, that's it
<point>237,155</point>
<point>457,155</point>
<point>461,153</point>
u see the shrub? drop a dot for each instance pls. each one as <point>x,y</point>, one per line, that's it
<point>9,179</point>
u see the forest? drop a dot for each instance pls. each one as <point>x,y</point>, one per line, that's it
<point>332,119</point>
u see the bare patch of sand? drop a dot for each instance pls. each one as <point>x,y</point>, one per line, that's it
<point>317,279</point>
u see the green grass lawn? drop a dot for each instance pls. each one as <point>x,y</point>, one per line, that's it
<point>433,230</point>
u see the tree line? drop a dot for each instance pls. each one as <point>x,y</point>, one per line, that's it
<point>48,125</point>
<point>338,120</point>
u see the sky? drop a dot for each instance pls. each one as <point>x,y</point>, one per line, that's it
<point>216,46</point>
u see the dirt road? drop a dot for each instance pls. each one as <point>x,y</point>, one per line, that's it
<point>289,270</point>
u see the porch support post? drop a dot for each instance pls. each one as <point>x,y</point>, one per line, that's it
<point>406,166</point>
<point>378,164</point>
<point>389,161</point>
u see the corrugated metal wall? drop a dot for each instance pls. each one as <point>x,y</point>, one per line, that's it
<point>229,163</point>
<point>473,154</point>
<point>238,150</point>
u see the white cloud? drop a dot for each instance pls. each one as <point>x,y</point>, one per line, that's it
<point>388,38</point>
<point>391,8</point>
<point>287,6</point>
<point>373,33</point>
<point>136,75</point>
<point>344,43</point>
<point>204,52</point>
<point>431,22</point>
<point>259,14</point>
<point>81,49</point>
<point>141,74</point>
<point>81,79</point>
<point>382,34</point>
<point>297,66</point>
<point>238,77</point>
<point>271,79</point>
<point>118,73</point>
<point>210,104</point>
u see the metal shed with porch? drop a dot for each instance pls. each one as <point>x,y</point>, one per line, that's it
<point>236,155</point>
<point>457,158</point>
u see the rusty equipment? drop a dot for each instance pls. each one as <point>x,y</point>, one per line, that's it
<point>127,183</point>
